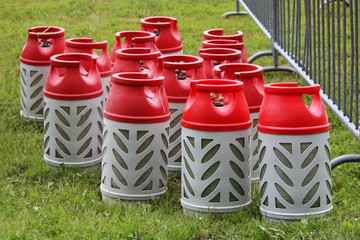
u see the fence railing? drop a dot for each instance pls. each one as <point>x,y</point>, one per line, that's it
<point>320,40</point>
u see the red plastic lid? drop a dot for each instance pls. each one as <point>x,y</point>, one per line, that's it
<point>283,110</point>
<point>252,77</point>
<point>131,39</point>
<point>223,43</point>
<point>136,60</point>
<point>174,68</point>
<point>135,98</point>
<point>216,56</point>
<point>86,45</point>
<point>41,44</point>
<point>168,38</point>
<point>70,79</point>
<point>201,114</point>
<point>220,54</point>
<point>218,35</point>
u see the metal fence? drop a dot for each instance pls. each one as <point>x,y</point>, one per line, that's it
<point>320,40</point>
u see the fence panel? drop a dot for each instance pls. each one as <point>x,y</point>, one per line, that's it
<point>320,40</point>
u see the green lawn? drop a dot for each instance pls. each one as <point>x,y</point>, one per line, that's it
<point>39,203</point>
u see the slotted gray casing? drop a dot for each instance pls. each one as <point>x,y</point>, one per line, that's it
<point>172,53</point>
<point>295,176</point>
<point>174,158</point>
<point>215,171</point>
<point>32,83</point>
<point>254,147</point>
<point>73,132</point>
<point>134,163</point>
<point>105,81</point>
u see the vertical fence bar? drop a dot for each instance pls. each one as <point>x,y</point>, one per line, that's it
<point>333,49</point>
<point>307,39</point>
<point>314,39</point>
<point>319,42</point>
<point>308,51</point>
<point>344,59</point>
<point>323,59</point>
<point>328,50</point>
<point>280,22</point>
<point>288,25</point>
<point>338,55</point>
<point>297,46</point>
<point>357,63</point>
<point>351,97</point>
<point>293,32</point>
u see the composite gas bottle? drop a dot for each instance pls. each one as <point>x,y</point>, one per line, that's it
<point>131,39</point>
<point>73,112</point>
<point>294,145</point>
<point>135,148</point>
<point>42,43</point>
<point>168,39</point>
<point>178,72</point>
<point>86,45</point>
<point>215,138</point>
<point>218,34</point>
<point>216,56</point>
<point>252,77</point>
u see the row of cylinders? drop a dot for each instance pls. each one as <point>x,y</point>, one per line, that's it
<point>150,96</point>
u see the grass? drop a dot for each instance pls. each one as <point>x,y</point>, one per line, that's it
<point>39,203</point>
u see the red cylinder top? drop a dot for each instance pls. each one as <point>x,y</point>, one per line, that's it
<point>191,68</point>
<point>73,76</point>
<point>168,38</point>
<point>41,44</point>
<point>133,59</point>
<point>86,45</point>
<point>217,34</point>
<point>201,114</point>
<point>216,56</point>
<point>141,39</point>
<point>135,98</point>
<point>223,43</point>
<point>283,110</point>
<point>252,77</point>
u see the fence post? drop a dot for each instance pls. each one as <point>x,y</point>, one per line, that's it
<point>237,12</point>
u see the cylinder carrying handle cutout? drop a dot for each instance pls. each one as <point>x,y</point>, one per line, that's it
<point>151,87</point>
<point>222,95</point>
<point>86,63</point>
<point>86,43</point>
<point>45,35</point>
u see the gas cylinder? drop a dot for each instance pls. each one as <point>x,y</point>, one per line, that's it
<point>168,39</point>
<point>136,60</point>
<point>135,148</point>
<point>295,175</point>
<point>73,104</point>
<point>215,147</point>
<point>86,45</point>
<point>252,77</point>
<point>41,44</point>
<point>215,56</point>
<point>178,72</point>
<point>218,34</point>
<point>132,39</point>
